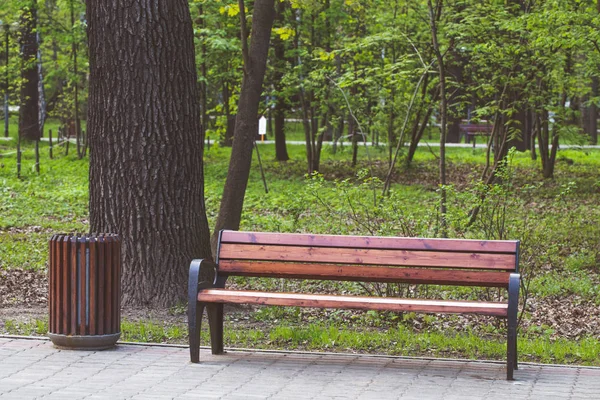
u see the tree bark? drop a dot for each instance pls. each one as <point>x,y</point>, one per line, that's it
<point>246,123</point>
<point>29,125</point>
<point>146,178</point>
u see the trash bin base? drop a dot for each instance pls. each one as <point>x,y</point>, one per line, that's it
<point>88,342</point>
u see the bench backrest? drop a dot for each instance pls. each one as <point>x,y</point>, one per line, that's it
<point>472,128</point>
<point>368,259</point>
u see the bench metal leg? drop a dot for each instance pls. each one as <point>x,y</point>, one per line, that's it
<point>194,324</point>
<point>516,354</point>
<point>511,342</point>
<point>215,322</point>
<point>195,309</point>
<point>511,356</point>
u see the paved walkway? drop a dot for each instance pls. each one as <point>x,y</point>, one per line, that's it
<point>33,368</point>
<point>423,143</point>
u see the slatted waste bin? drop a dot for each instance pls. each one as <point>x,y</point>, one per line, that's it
<point>84,291</point>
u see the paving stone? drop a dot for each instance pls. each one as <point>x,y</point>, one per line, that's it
<point>34,369</point>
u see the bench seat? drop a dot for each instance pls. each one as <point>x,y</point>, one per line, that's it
<point>352,302</point>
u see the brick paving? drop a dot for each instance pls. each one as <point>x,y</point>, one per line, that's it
<point>34,369</point>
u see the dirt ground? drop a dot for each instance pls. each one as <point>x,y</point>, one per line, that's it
<point>24,296</point>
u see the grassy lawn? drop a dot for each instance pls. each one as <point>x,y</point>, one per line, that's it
<point>557,221</point>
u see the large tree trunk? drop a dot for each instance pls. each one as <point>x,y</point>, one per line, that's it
<point>29,126</point>
<point>453,130</point>
<point>246,123</point>
<point>146,179</point>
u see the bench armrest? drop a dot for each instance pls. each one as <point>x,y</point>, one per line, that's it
<point>202,275</point>
<point>200,270</point>
<point>514,284</point>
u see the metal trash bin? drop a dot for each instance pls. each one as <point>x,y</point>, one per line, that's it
<point>85,291</point>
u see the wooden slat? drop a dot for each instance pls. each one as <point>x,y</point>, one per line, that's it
<point>82,286</point>
<point>56,257</point>
<point>108,286</point>
<point>504,262</point>
<point>371,242</point>
<point>93,287</point>
<point>119,274</point>
<point>65,287</point>
<point>352,302</point>
<point>73,267</point>
<point>52,285</point>
<point>101,285</point>
<point>116,285</point>
<point>364,274</point>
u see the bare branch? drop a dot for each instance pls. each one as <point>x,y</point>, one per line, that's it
<point>364,136</point>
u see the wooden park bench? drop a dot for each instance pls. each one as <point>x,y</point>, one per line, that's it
<point>453,262</point>
<point>471,131</point>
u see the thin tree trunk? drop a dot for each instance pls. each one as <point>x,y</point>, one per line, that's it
<point>75,84</point>
<point>306,103</point>
<point>339,131</point>
<point>146,178</point>
<point>314,133</point>
<point>229,119</point>
<point>246,124</point>
<point>352,128</point>
<point>29,125</point>
<point>543,135</point>
<point>307,130</point>
<point>433,18</point>
<point>414,143</point>
<point>548,143</point>
<point>593,113</point>
<point>420,123</point>
<point>534,133</point>
<point>204,75</point>
<point>41,91</point>
<point>281,153</point>
<point>390,128</point>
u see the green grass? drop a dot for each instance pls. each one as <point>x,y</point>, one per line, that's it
<point>564,284</point>
<point>29,328</point>
<point>392,341</point>
<point>152,332</point>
